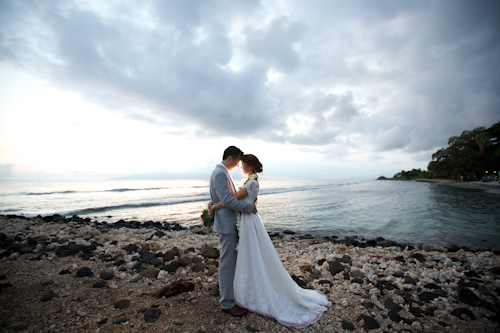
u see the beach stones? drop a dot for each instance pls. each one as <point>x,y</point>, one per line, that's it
<point>156,262</point>
<point>47,296</point>
<point>467,296</point>
<point>172,267</point>
<point>122,304</point>
<point>198,268</point>
<point>84,272</point>
<point>99,284</point>
<point>367,322</point>
<point>184,261</point>
<point>335,267</point>
<point>357,274</point>
<point>149,273</point>
<point>107,274</point>
<point>461,312</point>
<point>169,255</point>
<point>419,256</point>
<point>209,252</point>
<point>118,262</point>
<point>131,248</point>
<point>151,315</point>
<point>146,257</point>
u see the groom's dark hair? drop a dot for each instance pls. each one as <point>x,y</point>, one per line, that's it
<point>232,151</point>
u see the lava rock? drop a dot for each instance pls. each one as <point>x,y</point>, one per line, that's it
<point>347,325</point>
<point>215,291</point>
<point>102,322</point>
<point>120,320</point>
<point>420,257</point>
<point>107,274</point>
<point>198,268</point>
<point>122,304</point>
<point>459,312</point>
<point>357,274</point>
<point>184,261</point>
<point>151,315</point>
<point>172,267</point>
<point>210,252</point>
<point>156,262</point>
<point>149,273</point>
<point>394,315</point>
<point>169,255</point>
<point>370,322</point>
<point>99,284</point>
<point>298,281</point>
<point>389,304</point>
<point>47,296</point>
<point>196,260</point>
<point>5,286</point>
<point>410,280</point>
<point>64,272</point>
<point>138,267</point>
<point>159,234</point>
<point>472,274</point>
<point>146,257</point>
<point>467,296</point>
<point>427,296</point>
<point>335,267</point>
<point>131,248</point>
<point>84,271</point>
<point>118,262</point>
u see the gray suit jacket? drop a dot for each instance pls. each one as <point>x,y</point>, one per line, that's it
<point>222,190</point>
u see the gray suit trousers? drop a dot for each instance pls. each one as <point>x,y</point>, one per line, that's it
<point>227,265</point>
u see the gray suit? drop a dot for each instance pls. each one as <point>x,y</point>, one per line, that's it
<point>222,190</point>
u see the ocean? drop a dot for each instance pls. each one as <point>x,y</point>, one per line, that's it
<point>405,211</point>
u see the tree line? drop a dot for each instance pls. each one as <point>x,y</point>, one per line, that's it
<point>472,155</point>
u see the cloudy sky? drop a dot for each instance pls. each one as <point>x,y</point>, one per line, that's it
<point>315,89</point>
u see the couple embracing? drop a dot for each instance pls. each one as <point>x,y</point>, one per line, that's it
<point>251,275</point>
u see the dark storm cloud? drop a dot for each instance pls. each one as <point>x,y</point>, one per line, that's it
<point>379,75</point>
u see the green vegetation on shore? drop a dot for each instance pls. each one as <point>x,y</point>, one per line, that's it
<point>469,156</point>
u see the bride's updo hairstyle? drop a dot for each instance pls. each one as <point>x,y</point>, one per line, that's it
<point>253,162</point>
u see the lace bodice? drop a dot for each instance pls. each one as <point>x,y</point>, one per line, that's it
<point>253,190</point>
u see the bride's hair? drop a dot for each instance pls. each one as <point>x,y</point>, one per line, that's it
<point>252,161</point>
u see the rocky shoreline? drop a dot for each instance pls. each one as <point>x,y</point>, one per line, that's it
<point>77,275</point>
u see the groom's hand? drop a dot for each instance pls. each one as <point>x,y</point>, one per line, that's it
<point>254,210</point>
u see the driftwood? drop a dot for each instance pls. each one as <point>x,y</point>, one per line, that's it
<point>174,288</point>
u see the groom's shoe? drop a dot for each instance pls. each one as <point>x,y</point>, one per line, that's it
<point>236,311</point>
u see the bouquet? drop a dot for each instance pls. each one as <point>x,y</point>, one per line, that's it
<point>207,216</point>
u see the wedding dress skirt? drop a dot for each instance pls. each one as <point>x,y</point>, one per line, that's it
<point>262,285</point>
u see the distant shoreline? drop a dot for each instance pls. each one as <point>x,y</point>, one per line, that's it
<point>493,184</point>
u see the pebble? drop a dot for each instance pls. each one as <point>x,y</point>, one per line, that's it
<point>107,274</point>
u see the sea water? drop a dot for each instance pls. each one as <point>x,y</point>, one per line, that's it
<point>404,211</point>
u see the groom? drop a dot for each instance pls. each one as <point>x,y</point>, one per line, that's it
<point>222,190</point>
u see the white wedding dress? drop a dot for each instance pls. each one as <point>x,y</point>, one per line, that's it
<point>261,283</point>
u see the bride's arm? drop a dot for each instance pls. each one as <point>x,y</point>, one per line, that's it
<point>238,195</point>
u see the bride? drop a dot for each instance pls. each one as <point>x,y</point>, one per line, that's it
<point>261,283</point>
